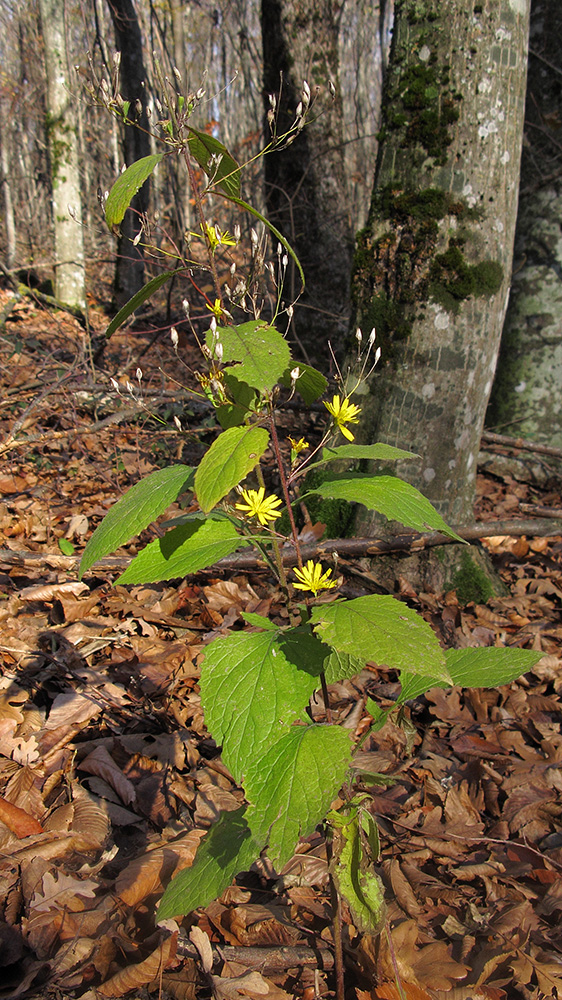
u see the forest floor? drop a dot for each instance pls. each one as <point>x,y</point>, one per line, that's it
<point>104,752</point>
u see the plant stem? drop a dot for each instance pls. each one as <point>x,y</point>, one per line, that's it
<point>197,197</point>
<point>337,928</point>
<point>285,488</point>
<point>281,572</point>
<point>397,979</point>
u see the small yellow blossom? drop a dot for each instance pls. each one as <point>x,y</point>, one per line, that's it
<point>312,578</point>
<point>260,506</point>
<point>297,447</point>
<point>343,412</point>
<point>216,308</point>
<point>218,239</point>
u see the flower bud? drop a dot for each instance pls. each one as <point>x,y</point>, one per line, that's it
<point>174,336</point>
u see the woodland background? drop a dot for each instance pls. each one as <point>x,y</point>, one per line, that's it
<point>102,741</point>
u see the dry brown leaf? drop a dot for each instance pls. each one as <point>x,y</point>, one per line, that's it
<point>135,976</point>
<point>250,984</point>
<point>18,820</point>
<point>390,991</point>
<point>151,871</point>
<point>101,763</point>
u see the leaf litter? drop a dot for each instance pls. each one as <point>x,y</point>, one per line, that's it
<point>109,780</point>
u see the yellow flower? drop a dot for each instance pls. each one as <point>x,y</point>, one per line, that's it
<point>260,506</point>
<point>218,239</point>
<point>343,412</point>
<point>216,308</point>
<point>312,578</point>
<point>297,447</point>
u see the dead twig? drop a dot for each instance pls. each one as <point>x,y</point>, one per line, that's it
<point>346,547</point>
<point>519,444</point>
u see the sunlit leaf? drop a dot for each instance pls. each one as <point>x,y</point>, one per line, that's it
<point>126,187</point>
<point>137,300</point>
<point>260,354</point>
<point>134,511</point>
<point>397,500</point>
<point>292,786</point>
<point>227,175</point>
<point>184,550</point>
<point>229,459</point>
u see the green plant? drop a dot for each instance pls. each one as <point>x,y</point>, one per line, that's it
<point>256,683</point>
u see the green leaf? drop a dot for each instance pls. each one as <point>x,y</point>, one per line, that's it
<point>371,452</point>
<point>311,383</point>
<point>258,621</point>
<point>137,300</point>
<point>356,880</point>
<point>489,666</point>
<point>234,414</point>
<point>383,630</point>
<point>251,691</point>
<point>130,515</point>
<point>229,459</point>
<point>202,147</point>
<point>341,666</point>
<point>184,550</point>
<point>126,187</point>
<point>291,787</point>
<point>66,547</point>
<point>227,850</point>
<point>260,353</point>
<point>394,498</point>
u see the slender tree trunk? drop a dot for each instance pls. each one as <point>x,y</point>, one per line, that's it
<point>527,395</point>
<point>129,272</point>
<point>5,182</point>
<point>433,266</point>
<point>305,184</point>
<point>63,150</point>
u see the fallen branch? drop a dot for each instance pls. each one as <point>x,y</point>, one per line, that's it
<point>347,547</point>
<point>519,444</point>
<point>266,960</point>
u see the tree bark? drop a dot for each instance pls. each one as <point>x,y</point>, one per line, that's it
<point>527,394</point>
<point>129,272</point>
<point>70,287</point>
<point>432,267</point>
<point>305,183</point>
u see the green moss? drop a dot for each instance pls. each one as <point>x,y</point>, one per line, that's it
<point>471,582</point>
<point>452,279</point>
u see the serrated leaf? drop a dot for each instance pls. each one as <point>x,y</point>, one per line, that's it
<point>397,500</point>
<point>126,187</point>
<point>383,630</point>
<point>341,666</point>
<point>311,383</point>
<point>292,786</point>
<point>134,511</point>
<point>234,414</point>
<point>251,690</point>
<point>227,175</point>
<point>184,550</point>
<point>489,666</point>
<point>259,352</point>
<point>137,300</point>
<point>227,850</point>
<point>229,459</point>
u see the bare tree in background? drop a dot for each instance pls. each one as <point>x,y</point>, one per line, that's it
<point>306,191</point>
<point>70,286</point>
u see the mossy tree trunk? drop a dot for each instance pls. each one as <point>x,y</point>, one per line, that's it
<point>305,184</point>
<point>433,266</point>
<point>70,284</point>
<point>527,394</point>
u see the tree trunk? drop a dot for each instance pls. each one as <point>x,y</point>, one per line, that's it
<point>305,183</point>
<point>527,394</point>
<point>70,286</point>
<point>129,272</point>
<point>5,182</point>
<point>432,267</point>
